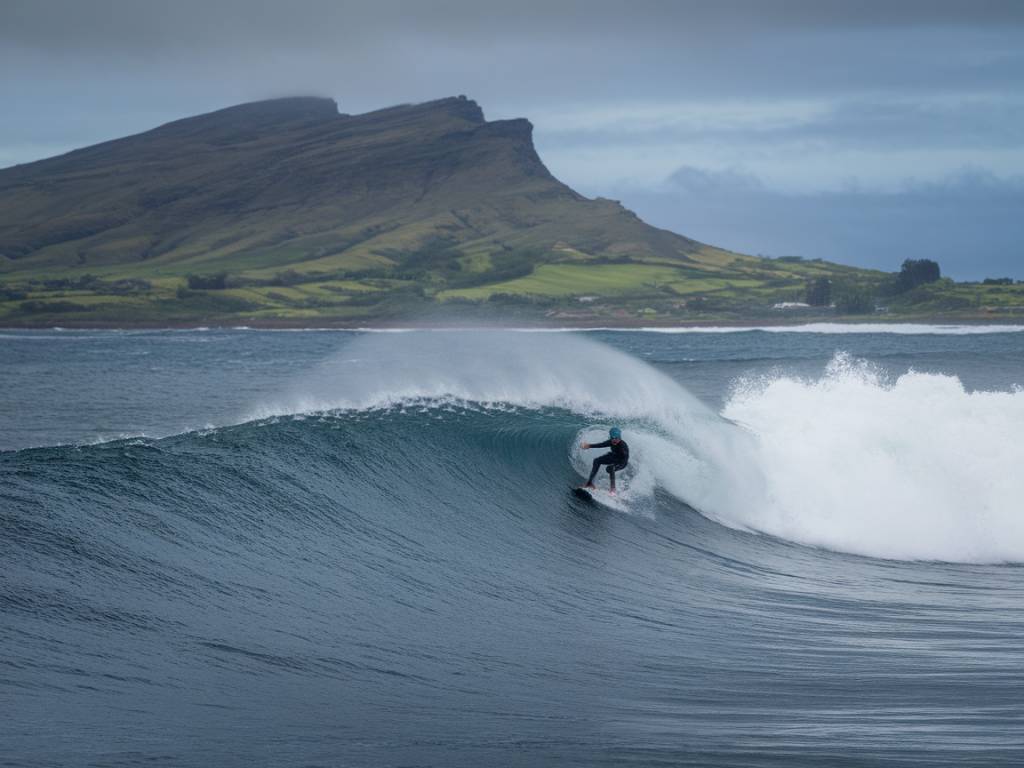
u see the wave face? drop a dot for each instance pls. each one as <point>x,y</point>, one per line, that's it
<point>382,565</point>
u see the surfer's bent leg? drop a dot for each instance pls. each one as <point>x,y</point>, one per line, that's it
<point>612,469</point>
<point>606,459</point>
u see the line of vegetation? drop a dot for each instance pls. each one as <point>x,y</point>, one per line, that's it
<point>566,284</point>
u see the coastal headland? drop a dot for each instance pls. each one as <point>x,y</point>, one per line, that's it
<point>287,213</point>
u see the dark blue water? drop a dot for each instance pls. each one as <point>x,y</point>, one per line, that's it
<point>409,582</point>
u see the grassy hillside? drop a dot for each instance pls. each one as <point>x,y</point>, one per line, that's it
<point>285,212</point>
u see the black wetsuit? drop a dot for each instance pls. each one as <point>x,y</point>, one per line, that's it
<point>616,459</point>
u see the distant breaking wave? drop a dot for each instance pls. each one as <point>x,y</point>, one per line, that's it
<point>909,329</point>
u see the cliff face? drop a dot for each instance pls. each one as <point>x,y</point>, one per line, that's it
<point>291,183</point>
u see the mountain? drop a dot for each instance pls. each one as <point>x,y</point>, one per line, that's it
<point>290,181</point>
<point>284,211</point>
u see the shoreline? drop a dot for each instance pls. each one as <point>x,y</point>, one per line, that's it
<point>872,325</point>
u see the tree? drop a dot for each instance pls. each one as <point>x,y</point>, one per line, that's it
<point>855,300</point>
<point>915,272</point>
<point>217,282</point>
<point>819,292</point>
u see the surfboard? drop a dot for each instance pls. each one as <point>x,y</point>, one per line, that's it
<point>582,493</point>
<point>601,497</point>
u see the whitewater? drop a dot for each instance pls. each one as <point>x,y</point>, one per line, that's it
<point>236,547</point>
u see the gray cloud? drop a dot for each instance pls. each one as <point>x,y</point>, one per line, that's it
<point>529,53</point>
<point>957,122</point>
<point>126,24</point>
<point>970,223</point>
<point>191,55</point>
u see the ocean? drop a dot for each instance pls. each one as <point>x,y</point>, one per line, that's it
<point>234,547</point>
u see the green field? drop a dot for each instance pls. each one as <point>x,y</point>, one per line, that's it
<point>577,289</point>
<point>564,280</point>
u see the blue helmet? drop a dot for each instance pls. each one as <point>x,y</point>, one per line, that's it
<point>615,433</point>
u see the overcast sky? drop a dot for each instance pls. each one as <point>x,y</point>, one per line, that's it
<point>863,132</point>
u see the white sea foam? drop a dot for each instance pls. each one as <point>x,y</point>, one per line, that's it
<point>916,468</point>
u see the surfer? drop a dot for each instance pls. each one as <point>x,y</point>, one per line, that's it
<point>617,457</point>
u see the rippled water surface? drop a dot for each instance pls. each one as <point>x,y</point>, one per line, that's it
<point>237,548</point>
